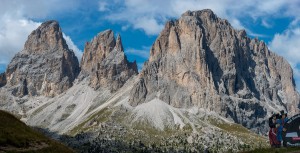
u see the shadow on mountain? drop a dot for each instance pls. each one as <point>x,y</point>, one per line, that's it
<point>91,143</point>
<point>15,136</point>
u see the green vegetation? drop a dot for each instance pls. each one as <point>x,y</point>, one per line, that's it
<point>253,140</point>
<point>15,136</point>
<point>275,150</point>
<point>100,117</point>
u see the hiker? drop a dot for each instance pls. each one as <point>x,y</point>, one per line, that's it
<point>273,131</point>
<point>283,119</point>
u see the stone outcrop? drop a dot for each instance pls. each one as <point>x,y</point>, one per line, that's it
<point>46,66</point>
<point>2,80</point>
<point>105,63</point>
<point>201,61</point>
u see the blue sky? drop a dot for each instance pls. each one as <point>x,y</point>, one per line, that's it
<point>140,21</point>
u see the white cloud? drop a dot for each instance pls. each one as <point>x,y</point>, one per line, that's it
<point>287,44</point>
<point>72,46</point>
<point>125,27</point>
<point>142,53</point>
<point>147,15</point>
<point>13,34</point>
<point>238,25</point>
<point>266,24</point>
<point>153,27</point>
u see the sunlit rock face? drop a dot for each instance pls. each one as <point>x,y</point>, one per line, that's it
<point>201,61</point>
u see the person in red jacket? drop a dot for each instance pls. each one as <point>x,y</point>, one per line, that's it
<point>273,131</point>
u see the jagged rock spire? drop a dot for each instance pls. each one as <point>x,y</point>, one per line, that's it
<point>105,63</point>
<point>119,45</point>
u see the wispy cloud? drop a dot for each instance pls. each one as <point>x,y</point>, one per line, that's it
<point>266,24</point>
<point>153,26</point>
<point>238,25</point>
<point>72,46</point>
<point>142,53</point>
<point>13,34</point>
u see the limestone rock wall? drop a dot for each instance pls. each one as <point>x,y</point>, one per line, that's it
<point>46,66</point>
<point>201,61</point>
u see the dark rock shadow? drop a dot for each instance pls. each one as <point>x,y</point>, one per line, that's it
<point>245,67</point>
<point>89,143</point>
<point>211,60</point>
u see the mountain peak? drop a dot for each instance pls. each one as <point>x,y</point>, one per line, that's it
<point>50,23</point>
<point>104,42</point>
<point>105,63</point>
<point>201,13</point>
<point>47,37</point>
<point>106,34</point>
<point>45,66</point>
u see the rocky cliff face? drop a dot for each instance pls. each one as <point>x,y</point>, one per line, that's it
<point>199,60</point>
<point>46,66</point>
<point>105,63</point>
